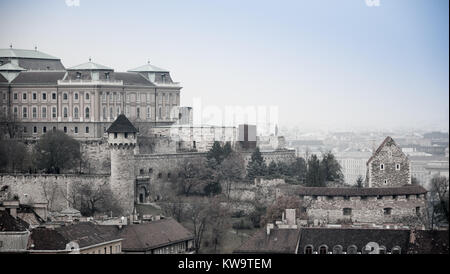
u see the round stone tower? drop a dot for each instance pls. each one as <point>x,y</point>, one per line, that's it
<point>122,141</point>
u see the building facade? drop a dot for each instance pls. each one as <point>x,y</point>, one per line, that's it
<point>40,94</point>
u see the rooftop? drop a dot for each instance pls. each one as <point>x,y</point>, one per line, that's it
<point>355,191</point>
<point>90,66</point>
<point>25,53</point>
<point>121,125</point>
<point>278,241</point>
<point>148,68</point>
<point>11,67</point>
<point>147,236</point>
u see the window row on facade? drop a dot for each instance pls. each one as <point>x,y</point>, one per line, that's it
<point>44,129</point>
<point>43,96</point>
<point>42,112</point>
<point>352,249</point>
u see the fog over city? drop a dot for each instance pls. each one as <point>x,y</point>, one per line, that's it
<point>327,65</point>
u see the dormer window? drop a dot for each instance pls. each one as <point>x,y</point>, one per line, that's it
<point>78,75</point>
<point>163,78</point>
<point>107,75</point>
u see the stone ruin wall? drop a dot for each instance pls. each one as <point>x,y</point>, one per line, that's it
<point>367,210</point>
<point>51,189</point>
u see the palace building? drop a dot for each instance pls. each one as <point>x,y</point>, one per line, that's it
<point>39,94</point>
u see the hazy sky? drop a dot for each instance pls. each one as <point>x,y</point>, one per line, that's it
<point>325,64</point>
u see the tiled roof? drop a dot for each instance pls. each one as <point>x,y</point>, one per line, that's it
<point>3,79</point>
<point>90,66</point>
<point>278,241</point>
<point>354,191</point>
<point>25,53</point>
<point>9,223</point>
<point>346,237</point>
<point>11,67</point>
<point>121,124</point>
<point>148,68</point>
<point>132,79</point>
<point>47,239</point>
<point>87,234</point>
<point>39,77</point>
<point>147,236</point>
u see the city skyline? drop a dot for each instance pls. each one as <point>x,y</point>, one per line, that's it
<point>330,65</point>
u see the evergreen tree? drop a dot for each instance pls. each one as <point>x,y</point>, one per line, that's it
<point>272,169</point>
<point>331,168</point>
<point>298,169</point>
<point>314,175</point>
<point>227,150</point>
<point>257,166</point>
<point>216,152</point>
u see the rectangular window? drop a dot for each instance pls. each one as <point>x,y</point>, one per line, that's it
<point>53,112</point>
<point>53,96</point>
<point>34,96</point>
<point>15,96</point>
<point>76,129</point>
<point>44,112</point>
<point>387,211</point>
<point>15,112</point>
<point>87,129</point>
<point>24,112</point>
<point>24,96</point>
<point>347,211</point>
<point>44,96</point>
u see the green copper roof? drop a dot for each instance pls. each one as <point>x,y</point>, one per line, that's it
<point>148,68</point>
<point>90,66</point>
<point>25,53</point>
<point>11,67</point>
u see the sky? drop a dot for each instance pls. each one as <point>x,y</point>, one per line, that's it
<point>324,64</point>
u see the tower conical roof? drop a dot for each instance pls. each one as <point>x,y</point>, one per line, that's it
<point>121,125</point>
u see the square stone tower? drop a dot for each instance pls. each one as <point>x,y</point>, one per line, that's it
<point>388,166</point>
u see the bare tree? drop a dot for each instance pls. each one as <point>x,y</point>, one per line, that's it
<point>197,215</point>
<point>91,199</point>
<point>438,200</point>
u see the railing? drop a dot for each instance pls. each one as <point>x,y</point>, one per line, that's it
<point>174,84</point>
<point>90,82</point>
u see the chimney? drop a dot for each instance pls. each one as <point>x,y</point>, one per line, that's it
<point>269,227</point>
<point>290,216</point>
<point>412,236</point>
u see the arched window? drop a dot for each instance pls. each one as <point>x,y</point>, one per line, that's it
<point>65,96</point>
<point>352,249</point>
<point>309,249</point>
<point>75,113</point>
<point>382,249</point>
<point>86,113</point>
<point>87,96</point>
<point>337,249</point>
<point>323,249</point>
<point>396,250</point>
<point>75,96</point>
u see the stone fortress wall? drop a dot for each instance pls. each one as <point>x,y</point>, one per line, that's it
<point>51,189</point>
